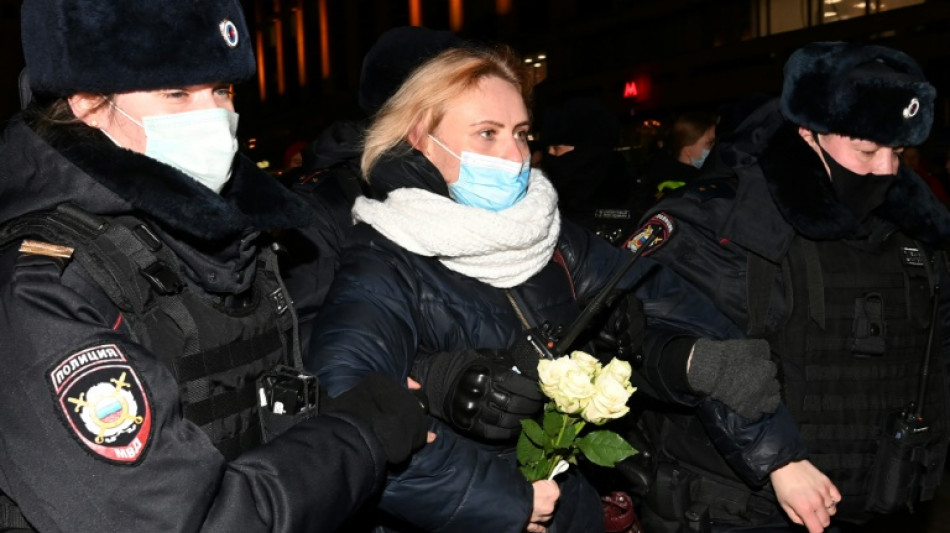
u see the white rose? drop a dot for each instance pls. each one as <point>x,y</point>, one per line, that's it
<point>619,371</point>
<point>586,362</point>
<point>550,374</point>
<point>609,400</point>
<point>575,390</point>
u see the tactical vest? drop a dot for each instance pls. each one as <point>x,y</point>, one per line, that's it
<point>851,350</point>
<point>215,346</point>
<point>850,333</point>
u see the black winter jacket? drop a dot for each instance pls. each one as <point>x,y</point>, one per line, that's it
<point>388,304</point>
<point>307,479</point>
<point>767,186</point>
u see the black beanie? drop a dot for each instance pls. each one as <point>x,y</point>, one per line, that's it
<point>394,56</point>
<point>866,92</point>
<point>116,46</point>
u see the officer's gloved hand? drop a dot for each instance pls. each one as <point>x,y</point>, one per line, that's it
<point>623,332</point>
<point>738,373</point>
<point>478,392</point>
<point>397,417</point>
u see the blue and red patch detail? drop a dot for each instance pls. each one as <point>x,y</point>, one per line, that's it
<point>653,234</point>
<point>230,32</point>
<point>104,403</point>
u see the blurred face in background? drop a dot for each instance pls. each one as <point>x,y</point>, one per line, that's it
<point>696,153</point>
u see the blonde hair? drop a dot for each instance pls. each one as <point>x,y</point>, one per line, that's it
<point>422,98</point>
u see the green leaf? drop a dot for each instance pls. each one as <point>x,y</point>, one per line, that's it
<point>530,472</point>
<point>533,431</point>
<point>605,448</point>
<point>537,471</point>
<point>553,423</point>
<point>527,451</point>
<point>567,438</point>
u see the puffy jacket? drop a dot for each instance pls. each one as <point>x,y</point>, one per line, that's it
<point>388,304</point>
<point>51,310</point>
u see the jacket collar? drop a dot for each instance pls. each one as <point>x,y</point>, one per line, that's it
<point>774,163</point>
<point>406,167</point>
<point>252,200</point>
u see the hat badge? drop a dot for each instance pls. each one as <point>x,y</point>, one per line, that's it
<point>230,32</point>
<point>912,108</point>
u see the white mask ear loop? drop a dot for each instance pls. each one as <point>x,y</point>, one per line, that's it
<point>444,147</point>
<point>124,114</point>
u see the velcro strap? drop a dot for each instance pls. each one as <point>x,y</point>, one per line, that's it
<point>227,357</point>
<point>10,515</point>
<point>222,405</point>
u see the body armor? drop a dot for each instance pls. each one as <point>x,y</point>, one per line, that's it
<point>851,353</point>
<point>216,346</point>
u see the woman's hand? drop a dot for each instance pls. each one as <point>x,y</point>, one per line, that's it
<point>806,494</point>
<point>546,493</point>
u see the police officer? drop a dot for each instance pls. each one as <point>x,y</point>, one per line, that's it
<point>594,182</point>
<point>148,346</point>
<point>810,233</point>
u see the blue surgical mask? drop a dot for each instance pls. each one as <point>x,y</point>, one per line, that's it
<point>698,161</point>
<point>488,182</point>
<point>200,143</point>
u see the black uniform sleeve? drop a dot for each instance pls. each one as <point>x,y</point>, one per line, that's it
<point>109,450</point>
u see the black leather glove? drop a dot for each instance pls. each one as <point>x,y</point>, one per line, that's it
<point>478,393</point>
<point>624,330</point>
<point>397,417</point>
<point>738,373</point>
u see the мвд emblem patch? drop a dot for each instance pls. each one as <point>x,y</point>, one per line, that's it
<point>104,403</point>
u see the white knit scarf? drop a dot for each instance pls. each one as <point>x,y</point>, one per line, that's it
<point>501,248</point>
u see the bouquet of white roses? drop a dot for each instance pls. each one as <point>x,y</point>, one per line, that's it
<point>582,391</point>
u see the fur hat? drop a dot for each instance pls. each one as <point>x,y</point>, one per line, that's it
<point>115,46</point>
<point>862,91</point>
<point>394,56</point>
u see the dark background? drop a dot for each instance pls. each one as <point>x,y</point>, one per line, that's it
<point>681,54</point>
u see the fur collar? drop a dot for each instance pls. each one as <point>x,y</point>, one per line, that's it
<point>800,189</point>
<point>252,200</point>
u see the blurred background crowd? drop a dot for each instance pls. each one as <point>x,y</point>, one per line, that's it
<point>644,77</point>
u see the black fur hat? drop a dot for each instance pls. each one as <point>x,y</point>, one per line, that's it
<point>862,91</point>
<point>394,56</point>
<point>115,46</point>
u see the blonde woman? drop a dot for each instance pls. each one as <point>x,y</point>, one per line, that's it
<point>461,249</point>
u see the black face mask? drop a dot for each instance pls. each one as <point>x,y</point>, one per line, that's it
<point>582,175</point>
<point>578,165</point>
<point>859,193</point>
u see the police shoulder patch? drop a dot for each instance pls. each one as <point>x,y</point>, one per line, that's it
<point>104,403</point>
<point>653,234</point>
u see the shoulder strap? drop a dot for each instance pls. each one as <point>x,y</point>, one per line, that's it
<point>11,517</point>
<point>760,277</point>
<point>559,259</point>
<point>118,254</point>
<point>816,282</point>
